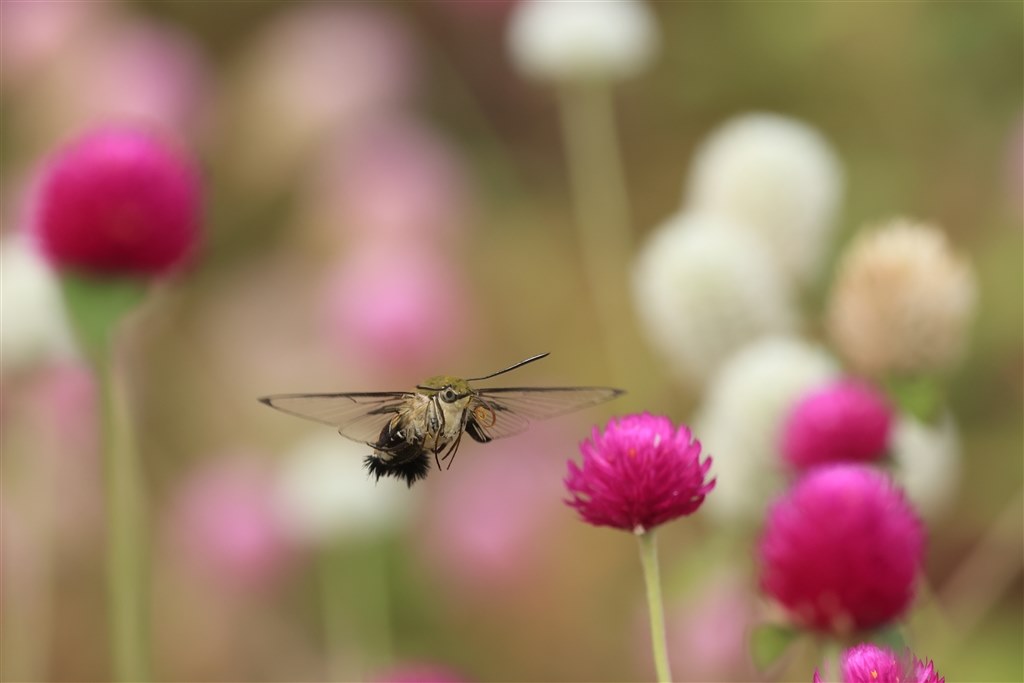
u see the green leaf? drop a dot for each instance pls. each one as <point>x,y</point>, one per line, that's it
<point>96,306</point>
<point>768,642</point>
<point>920,396</point>
<point>890,637</point>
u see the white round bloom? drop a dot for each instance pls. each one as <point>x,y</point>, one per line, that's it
<point>777,176</point>
<point>323,491</point>
<point>34,326</point>
<point>903,300</point>
<point>740,420</point>
<point>566,40</point>
<point>703,288</point>
<point>927,462</point>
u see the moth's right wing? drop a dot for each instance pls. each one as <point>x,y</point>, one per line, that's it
<point>359,416</point>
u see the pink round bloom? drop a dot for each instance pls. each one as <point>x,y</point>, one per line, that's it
<point>841,549</point>
<point>119,201</point>
<point>844,421</point>
<point>641,471</point>
<point>418,673</point>
<point>868,663</point>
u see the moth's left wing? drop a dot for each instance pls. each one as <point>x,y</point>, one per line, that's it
<point>503,412</point>
<point>358,416</point>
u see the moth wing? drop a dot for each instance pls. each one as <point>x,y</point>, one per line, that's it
<point>358,416</point>
<point>503,412</point>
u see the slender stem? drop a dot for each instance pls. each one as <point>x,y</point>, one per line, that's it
<point>126,565</point>
<point>649,559</point>
<point>602,209</point>
<point>333,608</point>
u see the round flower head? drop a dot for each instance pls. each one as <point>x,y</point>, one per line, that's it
<point>119,202</point>
<point>841,422</point>
<point>841,549</point>
<point>741,416</point>
<point>902,300</point>
<point>562,40</point>
<point>641,471</point>
<point>703,289</point>
<point>777,177</point>
<point>868,663</point>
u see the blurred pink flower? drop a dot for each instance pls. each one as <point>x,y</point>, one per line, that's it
<point>868,663</point>
<point>401,310</point>
<point>119,201</point>
<point>124,69</point>
<point>842,421</point>
<point>640,472</point>
<point>397,181</point>
<point>224,524</point>
<point>319,71</point>
<point>841,550</point>
<point>33,34</point>
<point>708,637</point>
<point>418,673</point>
<point>485,528</point>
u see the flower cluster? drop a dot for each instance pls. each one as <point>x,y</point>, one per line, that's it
<point>841,550</point>
<point>639,472</point>
<point>868,663</point>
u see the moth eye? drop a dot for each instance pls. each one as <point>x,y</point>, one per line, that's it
<point>448,395</point>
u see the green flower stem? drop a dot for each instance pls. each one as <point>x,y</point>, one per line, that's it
<point>353,585</point>
<point>602,210</point>
<point>126,522</point>
<point>649,559</point>
<point>333,611</point>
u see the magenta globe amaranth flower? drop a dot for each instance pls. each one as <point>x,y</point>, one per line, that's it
<point>638,473</point>
<point>868,663</point>
<point>844,421</point>
<point>841,549</point>
<point>119,201</point>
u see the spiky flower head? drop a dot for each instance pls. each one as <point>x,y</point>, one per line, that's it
<point>902,301</point>
<point>843,421</point>
<point>841,550</point>
<point>869,663</point>
<point>639,472</point>
<point>703,288</point>
<point>779,178</point>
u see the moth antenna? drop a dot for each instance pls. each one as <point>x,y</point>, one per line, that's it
<point>511,367</point>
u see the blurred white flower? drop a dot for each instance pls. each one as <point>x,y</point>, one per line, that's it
<point>703,287</point>
<point>776,176</point>
<point>740,420</point>
<point>323,491</point>
<point>902,301</point>
<point>34,327</point>
<point>580,40</point>
<point>927,462</point>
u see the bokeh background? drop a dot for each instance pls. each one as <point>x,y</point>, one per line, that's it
<point>388,198</point>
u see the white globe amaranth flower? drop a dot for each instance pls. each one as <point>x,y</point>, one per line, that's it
<point>34,326</point>
<point>323,492</point>
<point>573,40</point>
<point>778,177</point>
<point>902,302</point>
<point>741,417</point>
<point>703,287</point>
<point>927,462</point>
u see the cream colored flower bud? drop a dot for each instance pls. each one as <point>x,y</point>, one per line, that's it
<point>927,462</point>
<point>566,40</point>
<point>902,301</point>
